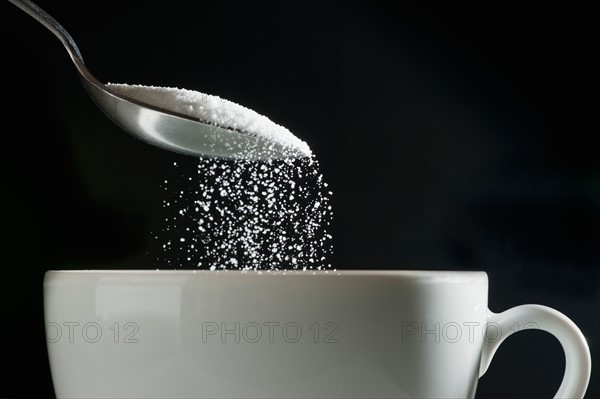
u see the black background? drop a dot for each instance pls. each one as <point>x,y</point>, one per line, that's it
<point>454,136</point>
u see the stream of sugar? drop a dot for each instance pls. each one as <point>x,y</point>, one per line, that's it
<point>241,214</point>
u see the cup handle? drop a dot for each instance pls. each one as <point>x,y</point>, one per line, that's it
<point>577,354</point>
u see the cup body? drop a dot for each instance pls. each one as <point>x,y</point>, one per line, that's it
<point>270,335</point>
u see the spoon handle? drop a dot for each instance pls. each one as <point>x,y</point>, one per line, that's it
<point>53,26</point>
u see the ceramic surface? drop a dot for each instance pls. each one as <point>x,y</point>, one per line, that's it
<point>401,334</point>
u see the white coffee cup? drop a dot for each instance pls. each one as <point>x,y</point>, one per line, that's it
<point>229,334</point>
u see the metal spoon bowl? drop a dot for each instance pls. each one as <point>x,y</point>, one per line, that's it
<point>160,127</point>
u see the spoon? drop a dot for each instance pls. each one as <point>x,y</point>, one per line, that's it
<point>162,127</point>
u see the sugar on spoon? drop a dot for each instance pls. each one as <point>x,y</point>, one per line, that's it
<point>180,120</point>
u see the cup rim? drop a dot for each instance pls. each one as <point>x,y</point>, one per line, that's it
<point>407,274</point>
